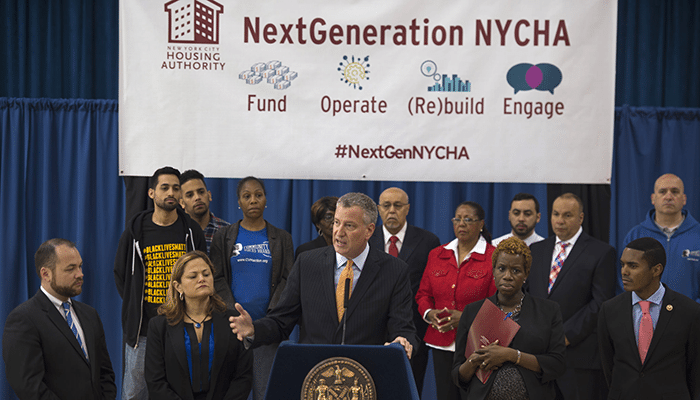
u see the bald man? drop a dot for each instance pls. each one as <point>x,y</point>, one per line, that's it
<point>677,231</point>
<point>412,245</point>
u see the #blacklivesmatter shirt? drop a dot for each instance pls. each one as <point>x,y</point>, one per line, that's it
<point>251,270</point>
<point>161,247</point>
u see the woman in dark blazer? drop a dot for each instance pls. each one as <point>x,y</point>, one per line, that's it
<point>528,367</point>
<point>191,352</point>
<point>252,259</point>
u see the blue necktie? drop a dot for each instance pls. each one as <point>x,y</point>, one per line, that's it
<point>69,319</point>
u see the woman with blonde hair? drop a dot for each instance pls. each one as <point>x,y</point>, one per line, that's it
<point>191,351</point>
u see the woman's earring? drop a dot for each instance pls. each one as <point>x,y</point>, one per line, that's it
<point>181,296</point>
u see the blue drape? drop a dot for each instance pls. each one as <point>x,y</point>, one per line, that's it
<point>58,158</point>
<point>58,178</point>
<point>649,142</point>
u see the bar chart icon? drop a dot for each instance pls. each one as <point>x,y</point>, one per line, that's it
<point>453,84</point>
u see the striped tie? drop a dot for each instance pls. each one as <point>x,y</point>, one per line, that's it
<point>69,319</point>
<point>340,289</point>
<point>556,267</point>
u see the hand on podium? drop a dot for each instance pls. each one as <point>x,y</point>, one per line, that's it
<point>242,325</point>
<point>405,343</point>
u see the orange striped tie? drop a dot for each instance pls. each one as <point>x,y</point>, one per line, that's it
<point>340,289</point>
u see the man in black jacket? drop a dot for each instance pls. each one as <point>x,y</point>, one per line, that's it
<point>148,248</point>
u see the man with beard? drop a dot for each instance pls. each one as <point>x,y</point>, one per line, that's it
<point>677,231</point>
<point>195,200</point>
<point>54,347</point>
<point>148,248</point>
<point>524,214</point>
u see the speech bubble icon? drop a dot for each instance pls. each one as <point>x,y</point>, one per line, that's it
<point>533,76</point>
<point>551,77</point>
<point>516,77</point>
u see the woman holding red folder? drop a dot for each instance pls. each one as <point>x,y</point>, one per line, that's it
<point>528,367</point>
<point>456,274</point>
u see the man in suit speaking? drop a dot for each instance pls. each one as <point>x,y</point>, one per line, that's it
<point>379,291</point>
<point>54,347</point>
<point>648,335</point>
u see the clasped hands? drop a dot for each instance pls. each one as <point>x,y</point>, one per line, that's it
<point>490,357</point>
<point>444,320</point>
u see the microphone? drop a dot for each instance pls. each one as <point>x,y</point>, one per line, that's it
<point>345,307</point>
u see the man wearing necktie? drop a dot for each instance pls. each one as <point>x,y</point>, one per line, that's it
<point>650,335</point>
<point>411,244</point>
<point>578,272</point>
<point>54,346</point>
<point>379,299</point>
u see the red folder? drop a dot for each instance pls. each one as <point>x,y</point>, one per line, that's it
<point>490,324</point>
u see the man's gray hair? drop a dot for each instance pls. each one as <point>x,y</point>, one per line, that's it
<point>368,206</point>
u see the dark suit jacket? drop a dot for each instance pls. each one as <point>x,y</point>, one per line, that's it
<point>43,359</point>
<point>540,334</point>
<point>414,251</point>
<point>281,250</point>
<point>672,366</point>
<point>167,371</point>
<point>585,281</point>
<point>314,244</point>
<point>379,309</point>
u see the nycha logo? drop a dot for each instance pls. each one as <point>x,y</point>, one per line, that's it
<point>193,36</point>
<point>193,21</point>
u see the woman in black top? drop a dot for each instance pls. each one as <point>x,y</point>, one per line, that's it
<point>191,352</point>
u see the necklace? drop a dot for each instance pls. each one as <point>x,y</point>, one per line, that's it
<point>199,324</point>
<point>515,311</point>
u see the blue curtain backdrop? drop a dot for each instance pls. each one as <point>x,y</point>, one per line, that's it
<point>59,179</point>
<point>58,160</point>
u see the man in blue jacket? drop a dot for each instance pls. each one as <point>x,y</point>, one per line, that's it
<point>677,231</point>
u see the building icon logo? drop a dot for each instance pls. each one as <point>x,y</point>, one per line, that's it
<point>193,21</point>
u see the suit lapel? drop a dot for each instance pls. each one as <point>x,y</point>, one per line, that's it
<point>222,335</point>
<point>570,261</point>
<point>410,242</point>
<point>661,325</point>
<point>369,272</point>
<point>539,276</point>
<point>176,334</point>
<point>61,324</point>
<point>88,329</point>
<point>627,328</point>
<point>327,272</point>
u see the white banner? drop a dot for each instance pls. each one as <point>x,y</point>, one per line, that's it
<point>498,91</point>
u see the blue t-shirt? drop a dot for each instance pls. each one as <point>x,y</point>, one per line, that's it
<point>251,270</point>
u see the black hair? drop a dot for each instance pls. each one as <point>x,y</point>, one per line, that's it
<point>244,181</point>
<point>526,196</point>
<point>153,181</point>
<point>192,174</point>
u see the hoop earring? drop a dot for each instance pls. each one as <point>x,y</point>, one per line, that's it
<point>182,298</point>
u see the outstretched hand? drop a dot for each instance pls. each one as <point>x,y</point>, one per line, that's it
<point>242,325</point>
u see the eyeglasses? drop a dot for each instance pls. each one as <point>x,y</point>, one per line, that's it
<point>397,206</point>
<point>467,221</point>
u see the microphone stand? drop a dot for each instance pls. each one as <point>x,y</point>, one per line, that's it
<point>345,307</point>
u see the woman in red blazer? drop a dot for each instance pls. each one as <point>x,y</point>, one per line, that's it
<point>458,273</point>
